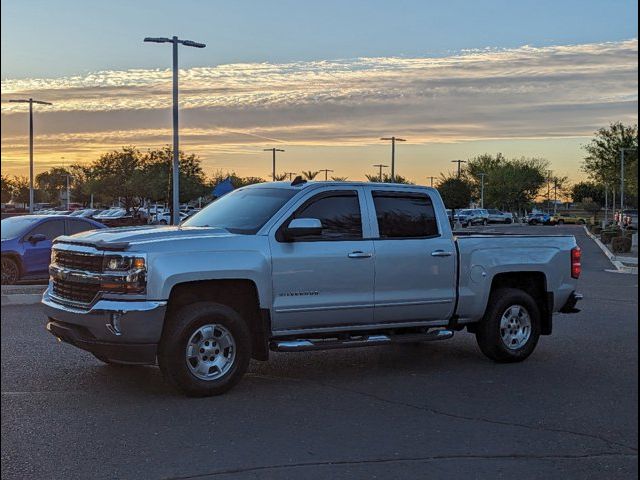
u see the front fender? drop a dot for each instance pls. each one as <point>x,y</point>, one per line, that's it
<point>167,270</point>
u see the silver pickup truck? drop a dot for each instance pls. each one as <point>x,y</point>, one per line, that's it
<point>301,266</point>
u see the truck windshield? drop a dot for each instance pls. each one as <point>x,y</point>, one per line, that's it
<point>242,211</point>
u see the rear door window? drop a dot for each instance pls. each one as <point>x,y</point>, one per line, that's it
<point>404,215</point>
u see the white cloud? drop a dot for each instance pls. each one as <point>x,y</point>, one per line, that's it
<point>526,92</point>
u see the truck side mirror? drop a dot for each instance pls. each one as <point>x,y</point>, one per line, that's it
<point>302,227</point>
<point>38,237</point>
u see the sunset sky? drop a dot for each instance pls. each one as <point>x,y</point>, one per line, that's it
<point>321,79</point>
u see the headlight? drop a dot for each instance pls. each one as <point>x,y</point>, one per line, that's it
<point>124,274</point>
<point>122,263</point>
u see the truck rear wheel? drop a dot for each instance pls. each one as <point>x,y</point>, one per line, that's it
<point>510,329</point>
<point>205,349</point>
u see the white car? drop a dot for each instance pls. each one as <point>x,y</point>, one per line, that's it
<point>497,216</point>
<point>472,216</point>
<point>164,218</point>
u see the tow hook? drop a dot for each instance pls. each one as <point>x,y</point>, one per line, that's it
<point>114,325</point>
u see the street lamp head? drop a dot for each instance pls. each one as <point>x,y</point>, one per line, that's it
<point>30,101</point>
<point>190,43</point>
<point>158,39</point>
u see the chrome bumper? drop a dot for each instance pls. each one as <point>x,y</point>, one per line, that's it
<point>112,320</point>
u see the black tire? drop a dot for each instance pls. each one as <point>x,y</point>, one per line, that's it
<point>10,271</point>
<point>180,326</point>
<point>508,221</point>
<point>489,336</point>
<point>581,222</point>
<point>162,222</point>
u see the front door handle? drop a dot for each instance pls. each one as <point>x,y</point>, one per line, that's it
<point>441,253</point>
<point>360,254</point>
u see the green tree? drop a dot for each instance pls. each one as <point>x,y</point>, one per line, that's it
<point>155,176</point>
<point>455,192</point>
<point>386,178</point>
<point>309,174</point>
<point>20,189</point>
<point>602,160</point>
<point>52,182</point>
<point>7,189</point>
<point>591,190</point>
<point>590,206</point>
<point>509,184</point>
<point>117,176</point>
<point>280,177</point>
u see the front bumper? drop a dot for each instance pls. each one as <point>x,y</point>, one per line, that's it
<point>126,331</point>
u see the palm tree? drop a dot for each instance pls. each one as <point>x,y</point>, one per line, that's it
<point>309,175</point>
<point>339,179</point>
<point>281,177</point>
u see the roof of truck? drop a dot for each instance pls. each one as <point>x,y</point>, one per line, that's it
<point>307,184</point>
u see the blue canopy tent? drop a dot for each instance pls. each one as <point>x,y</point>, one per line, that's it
<point>222,188</point>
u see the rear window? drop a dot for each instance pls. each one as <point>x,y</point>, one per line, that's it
<point>402,215</point>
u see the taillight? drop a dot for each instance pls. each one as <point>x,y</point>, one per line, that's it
<point>576,266</point>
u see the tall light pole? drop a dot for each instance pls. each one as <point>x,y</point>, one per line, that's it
<point>175,204</point>
<point>622,180</point>
<point>393,155</point>
<point>482,189</point>
<point>431,178</point>
<point>30,101</point>
<point>273,150</point>
<point>380,166</point>
<point>459,162</point>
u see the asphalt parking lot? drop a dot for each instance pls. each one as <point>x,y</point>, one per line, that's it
<point>440,410</point>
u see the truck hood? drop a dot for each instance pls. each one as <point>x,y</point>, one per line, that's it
<point>125,237</point>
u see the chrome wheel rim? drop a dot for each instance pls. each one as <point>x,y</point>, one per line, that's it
<point>515,327</point>
<point>9,272</point>
<point>210,352</point>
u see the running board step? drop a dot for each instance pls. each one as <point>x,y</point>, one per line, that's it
<point>353,341</point>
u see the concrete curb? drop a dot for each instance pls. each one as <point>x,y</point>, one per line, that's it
<point>20,299</point>
<point>21,294</point>
<point>620,268</point>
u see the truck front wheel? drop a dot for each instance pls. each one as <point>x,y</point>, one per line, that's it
<point>205,349</point>
<point>510,329</point>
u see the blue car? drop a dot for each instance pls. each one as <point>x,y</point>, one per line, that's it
<point>539,219</point>
<point>27,239</point>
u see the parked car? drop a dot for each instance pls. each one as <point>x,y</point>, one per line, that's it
<point>568,218</point>
<point>303,266</point>
<point>630,219</point>
<point>86,212</point>
<point>472,216</point>
<point>498,216</point>
<point>27,239</point>
<point>539,219</point>
<point>118,217</point>
<point>164,218</point>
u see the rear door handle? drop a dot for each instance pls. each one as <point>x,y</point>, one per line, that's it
<point>359,254</point>
<point>441,253</point>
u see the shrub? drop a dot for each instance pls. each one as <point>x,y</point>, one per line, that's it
<point>606,236</point>
<point>621,244</point>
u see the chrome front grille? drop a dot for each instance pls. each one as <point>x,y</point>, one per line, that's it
<point>75,292</point>
<point>72,260</point>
